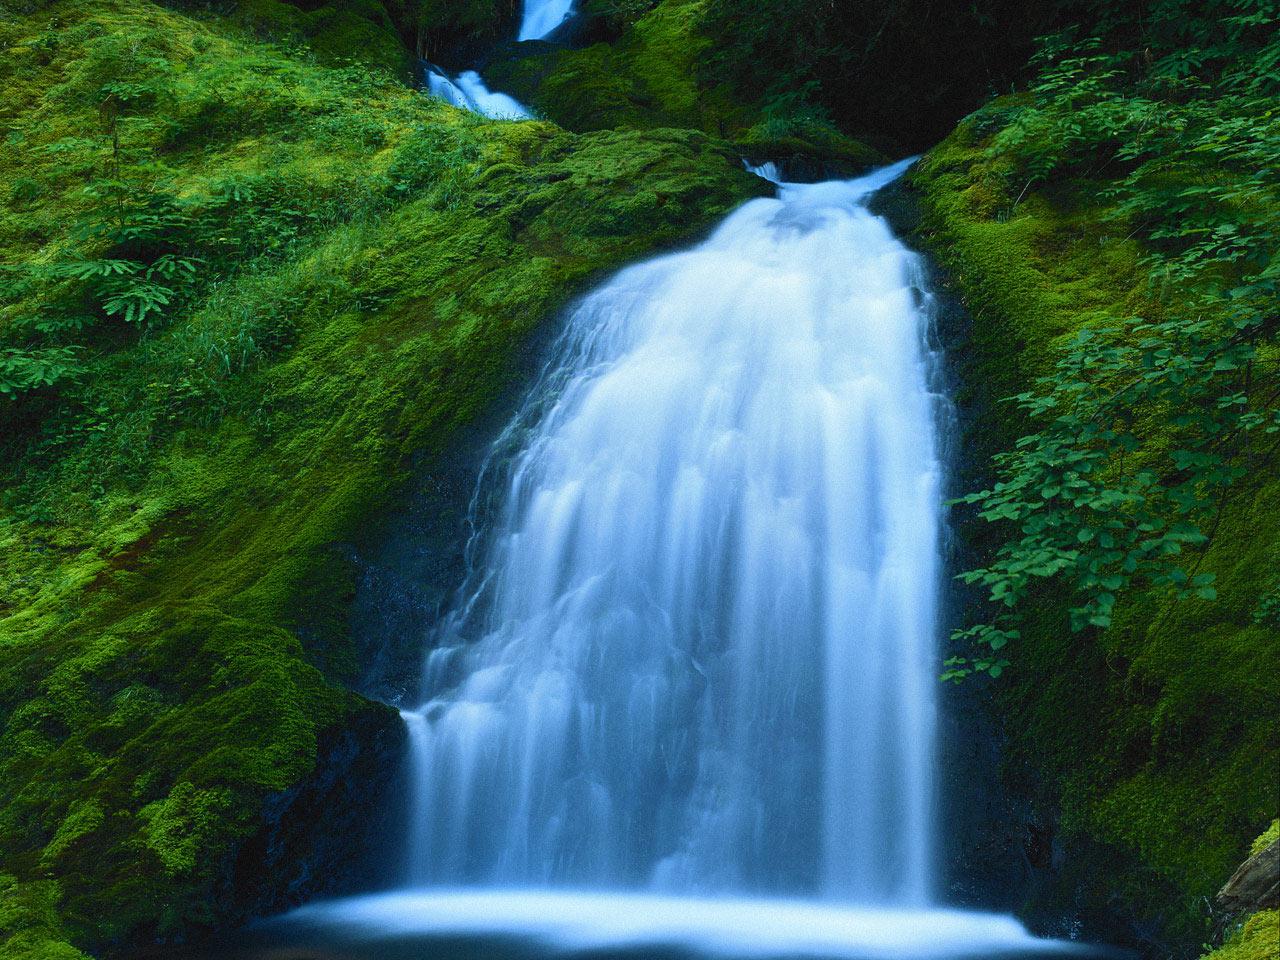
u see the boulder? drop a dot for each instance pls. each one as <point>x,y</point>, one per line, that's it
<point>1256,885</point>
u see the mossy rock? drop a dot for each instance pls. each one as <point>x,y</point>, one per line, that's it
<point>645,77</point>
<point>178,524</point>
<point>348,31</point>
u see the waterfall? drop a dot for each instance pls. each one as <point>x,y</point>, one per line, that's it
<point>685,702</point>
<point>541,18</point>
<point>468,90</point>
<point>698,653</point>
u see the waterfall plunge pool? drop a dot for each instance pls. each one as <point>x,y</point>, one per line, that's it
<point>540,924</point>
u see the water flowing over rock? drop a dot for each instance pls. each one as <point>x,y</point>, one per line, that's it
<point>686,698</point>
<point>468,90</point>
<point>700,650</point>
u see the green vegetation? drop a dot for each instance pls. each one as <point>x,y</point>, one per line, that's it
<point>1258,938</point>
<point>894,72</point>
<point>1113,232</point>
<point>242,289</point>
<point>249,277</point>
<point>653,73</point>
<point>1268,837</point>
<point>365,32</point>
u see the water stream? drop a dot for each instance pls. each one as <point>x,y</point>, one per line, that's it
<point>699,651</point>
<point>468,90</point>
<point>685,703</point>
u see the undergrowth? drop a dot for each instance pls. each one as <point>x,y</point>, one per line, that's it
<point>1113,232</point>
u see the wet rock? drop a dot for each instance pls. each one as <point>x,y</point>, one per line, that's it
<point>1256,884</point>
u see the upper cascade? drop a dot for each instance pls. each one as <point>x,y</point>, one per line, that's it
<point>469,91</point>
<point>542,17</point>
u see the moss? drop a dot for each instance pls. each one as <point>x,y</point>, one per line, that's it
<point>1268,837</point>
<point>29,925</point>
<point>1258,938</point>
<point>360,32</point>
<point>650,76</point>
<point>176,526</point>
<point>585,89</point>
<point>1149,737</point>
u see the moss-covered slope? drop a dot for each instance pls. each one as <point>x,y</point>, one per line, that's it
<point>366,266</point>
<point>1148,749</point>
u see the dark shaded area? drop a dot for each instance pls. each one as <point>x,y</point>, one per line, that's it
<point>896,72</point>
<point>333,834</point>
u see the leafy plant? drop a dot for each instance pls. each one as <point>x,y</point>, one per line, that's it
<point>1147,426</point>
<point>24,371</point>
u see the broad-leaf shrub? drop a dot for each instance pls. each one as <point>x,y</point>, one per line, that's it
<point>1147,426</point>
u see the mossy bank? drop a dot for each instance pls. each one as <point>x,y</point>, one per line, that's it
<point>182,487</point>
<point>1143,747</point>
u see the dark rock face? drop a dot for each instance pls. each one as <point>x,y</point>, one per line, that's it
<point>1256,885</point>
<point>328,835</point>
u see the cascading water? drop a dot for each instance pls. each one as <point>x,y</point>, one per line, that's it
<point>700,654</point>
<point>541,18</point>
<point>469,91</point>
<point>687,699</point>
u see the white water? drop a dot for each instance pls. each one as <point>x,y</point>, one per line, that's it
<point>701,652</point>
<point>569,921</point>
<point>542,17</point>
<point>468,90</point>
<point>687,703</point>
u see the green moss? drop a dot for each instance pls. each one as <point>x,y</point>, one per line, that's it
<point>1149,738</point>
<point>585,89</point>
<point>176,526</point>
<point>360,32</point>
<point>29,925</point>
<point>1031,275</point>
<point>1258,938</point>
<point>1268,837</point>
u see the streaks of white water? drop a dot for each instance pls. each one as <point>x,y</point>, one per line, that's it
<point>701,652</point>
<point>469,92</point>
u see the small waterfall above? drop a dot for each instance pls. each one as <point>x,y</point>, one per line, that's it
<point>542,17</point>
<point>698,651</point>
<point>468,91</point>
